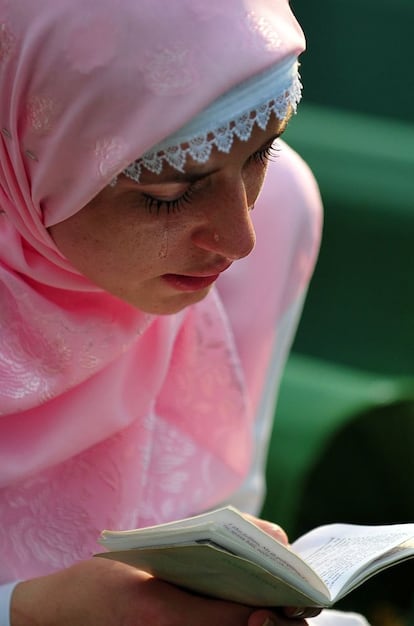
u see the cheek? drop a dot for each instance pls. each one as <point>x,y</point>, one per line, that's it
<point>71,241</point>
<point>112,252</point>
<point>98,248</point>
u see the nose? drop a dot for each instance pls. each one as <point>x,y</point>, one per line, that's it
<point>227,229</point>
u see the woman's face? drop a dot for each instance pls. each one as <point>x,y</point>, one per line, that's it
<point>161,244</point>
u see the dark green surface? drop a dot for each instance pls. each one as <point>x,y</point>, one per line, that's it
<point>342,446</point>
<point>320,403</point>
<point>342,451</point>
<point>356,131</point>
<point>360,307</point>
<point>359,55</point>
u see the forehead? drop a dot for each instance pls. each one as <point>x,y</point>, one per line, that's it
<point>240,150</point>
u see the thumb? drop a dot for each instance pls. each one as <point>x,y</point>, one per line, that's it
<point>274,530</point>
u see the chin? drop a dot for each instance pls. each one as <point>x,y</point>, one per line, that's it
<point>172,304</point>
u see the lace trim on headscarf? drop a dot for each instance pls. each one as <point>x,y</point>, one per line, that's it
<point>199,147</point>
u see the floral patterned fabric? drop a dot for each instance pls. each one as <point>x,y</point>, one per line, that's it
<point>110,417</point>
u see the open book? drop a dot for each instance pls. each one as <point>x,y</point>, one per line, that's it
<point>223,555</point>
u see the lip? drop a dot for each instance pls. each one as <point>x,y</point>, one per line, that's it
<point>182,282</point>
<point>196,281</point>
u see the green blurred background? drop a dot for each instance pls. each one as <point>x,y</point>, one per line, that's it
<point>342,448</point>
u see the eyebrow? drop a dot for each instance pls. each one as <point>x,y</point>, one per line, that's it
<point>192,175</point>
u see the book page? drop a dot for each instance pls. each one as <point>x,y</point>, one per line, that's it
<point>338,551</point>
<point>206,569</point>
<point>248,541</point>
<point>398,554</point>
<point>231,531</point>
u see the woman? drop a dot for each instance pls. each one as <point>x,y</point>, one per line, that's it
<point>138,362</point>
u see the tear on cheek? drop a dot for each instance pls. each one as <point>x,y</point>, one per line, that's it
<point>163,251</point>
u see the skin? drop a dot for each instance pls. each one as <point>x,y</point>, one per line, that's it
<point>126,240</point>
<point>101,592</point>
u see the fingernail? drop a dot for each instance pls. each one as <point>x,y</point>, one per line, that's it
<point>268,622</point>
<point>275,530</point>
<point>297,613</point>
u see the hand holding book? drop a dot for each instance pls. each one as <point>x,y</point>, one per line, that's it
<point>222,554</point>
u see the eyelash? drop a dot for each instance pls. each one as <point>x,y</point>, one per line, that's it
<point>170,206</point>
<point>176,205</point>
<point>266,154</point>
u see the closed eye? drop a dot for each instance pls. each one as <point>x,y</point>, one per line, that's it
<point>266,154</point>
<point>156,205</point>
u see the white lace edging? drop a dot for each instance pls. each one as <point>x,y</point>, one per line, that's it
<point>200,146</point>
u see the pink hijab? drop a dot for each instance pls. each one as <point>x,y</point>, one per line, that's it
<point>110,417</point>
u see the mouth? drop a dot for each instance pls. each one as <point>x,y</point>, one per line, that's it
<point>195,282</point>
<point>181,282</point>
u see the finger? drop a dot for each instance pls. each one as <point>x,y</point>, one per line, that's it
<point>274,530</point>
<point>303,612</point>
<point>264,617</point>
<point>170,605</point>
